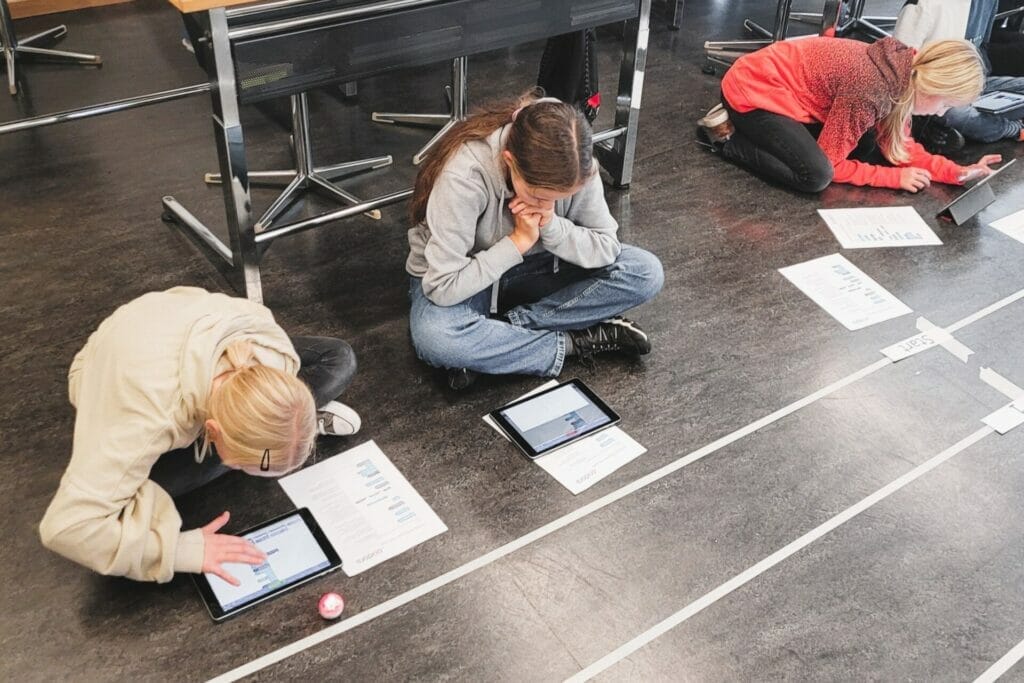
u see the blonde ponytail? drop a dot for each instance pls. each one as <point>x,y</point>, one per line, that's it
<point>948,68</point>
<point>262,409</point>
<point>240,354</point>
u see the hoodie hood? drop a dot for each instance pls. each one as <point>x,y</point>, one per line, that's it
<point>164,349</point>
<point>894,61</point>
<point>202,350</point>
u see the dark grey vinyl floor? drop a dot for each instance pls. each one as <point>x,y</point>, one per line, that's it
<point>925,584</point>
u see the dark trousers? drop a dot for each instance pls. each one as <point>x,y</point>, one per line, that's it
<point>327,366</point>
<point>783,150</point>
<point>779,149</point>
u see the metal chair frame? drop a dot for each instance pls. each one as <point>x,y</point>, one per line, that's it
<point>11,47</point>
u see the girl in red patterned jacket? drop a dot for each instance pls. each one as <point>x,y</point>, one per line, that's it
<point>795,111</point>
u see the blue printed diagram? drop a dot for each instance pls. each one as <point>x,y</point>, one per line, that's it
<point>379,485</point>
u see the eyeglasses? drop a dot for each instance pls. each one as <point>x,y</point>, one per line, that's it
<point>265,461</point>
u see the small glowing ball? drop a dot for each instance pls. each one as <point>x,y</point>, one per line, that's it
<point>331,605</point>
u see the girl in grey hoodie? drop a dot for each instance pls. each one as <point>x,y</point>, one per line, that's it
<point>514,261</point>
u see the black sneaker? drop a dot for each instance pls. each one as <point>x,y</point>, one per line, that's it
<point>935,135</point>
<point>461,378</point>
<point>615,334</point>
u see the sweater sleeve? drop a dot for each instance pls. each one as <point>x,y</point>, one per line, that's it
<point>118,526</point>
<point>941,169</point>
<point>453,275</point>
<point>586,236</point>
<point>107,515</point>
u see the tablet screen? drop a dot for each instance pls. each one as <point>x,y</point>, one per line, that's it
<point>555,417</point>
<point>292,554</point>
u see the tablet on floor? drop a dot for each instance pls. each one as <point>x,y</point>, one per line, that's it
<point>297,551</point>
<point>554,418</point>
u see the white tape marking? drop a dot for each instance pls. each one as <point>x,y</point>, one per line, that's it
<point>944,339</point>
<point>1003,665</point>
<point>775,558</point>
<point>1002,385</point>
<point>440,581</point>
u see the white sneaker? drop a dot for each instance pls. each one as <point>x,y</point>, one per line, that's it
<point>716,124</point>
<point>337,419</point>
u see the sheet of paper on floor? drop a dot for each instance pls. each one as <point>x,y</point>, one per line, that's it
<point>580,465</point>
<point>1011,226</point>
<point>844,291</point>
<point>888,226</point>
<point>367,509</point>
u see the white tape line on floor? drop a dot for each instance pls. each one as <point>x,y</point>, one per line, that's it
<point>1004,664</point>
<point>549,528</point>
<point>496,554</point>
<point>775,558</point>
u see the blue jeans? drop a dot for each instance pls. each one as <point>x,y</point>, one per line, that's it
<point>539,303</point>
<point>981,127</point>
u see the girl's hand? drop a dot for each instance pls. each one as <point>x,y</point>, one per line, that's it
<point>913,179</point>
<point>545,210</point>
<point>980,169</point>
<point>527,230</point>
<point>219,548</point>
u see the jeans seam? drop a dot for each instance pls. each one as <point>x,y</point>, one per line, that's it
<point>556,369</point>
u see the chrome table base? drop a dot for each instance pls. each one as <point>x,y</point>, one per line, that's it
<point>306,176</point>
<point>11,47</point>
<point>239,259</point>
<point>458,98</point>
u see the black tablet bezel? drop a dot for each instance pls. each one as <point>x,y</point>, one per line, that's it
<point>510,431</point>
<point>218,613</point>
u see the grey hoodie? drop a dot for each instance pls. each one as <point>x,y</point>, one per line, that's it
<point>463,246</point>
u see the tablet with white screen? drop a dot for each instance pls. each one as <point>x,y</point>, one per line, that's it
<point>297,551</point>
<point>553,418</point>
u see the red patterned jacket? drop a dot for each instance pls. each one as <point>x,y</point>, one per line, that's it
<point>847,86</point>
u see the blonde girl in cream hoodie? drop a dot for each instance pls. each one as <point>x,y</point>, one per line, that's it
<point>163,382</point>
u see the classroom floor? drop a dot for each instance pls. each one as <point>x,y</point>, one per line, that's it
<point>690,576</point>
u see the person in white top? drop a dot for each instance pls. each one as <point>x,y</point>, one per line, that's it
<point>926,21</point>
<point>172,390</point>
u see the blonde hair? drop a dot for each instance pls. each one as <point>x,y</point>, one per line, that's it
<point>261,409</point>
<point>948,68</point>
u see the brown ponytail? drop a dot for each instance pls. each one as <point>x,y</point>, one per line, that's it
<point>550,143</point>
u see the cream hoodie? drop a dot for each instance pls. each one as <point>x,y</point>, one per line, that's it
<point>140,386</point>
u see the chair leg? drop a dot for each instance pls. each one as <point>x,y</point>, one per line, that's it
<point>11,47</point>
<point>305,176</point>
<point>725,52</point>
<point>459,97</point>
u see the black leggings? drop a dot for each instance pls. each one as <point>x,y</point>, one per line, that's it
<point>778,148</point>
<point>327,365</point>
<point>785,151</point>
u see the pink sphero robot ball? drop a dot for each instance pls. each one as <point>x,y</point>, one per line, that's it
<point>331,605</point>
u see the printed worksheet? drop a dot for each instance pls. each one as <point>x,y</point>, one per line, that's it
<point>846,293</point>
<point>1011,226</point>
<point>367,509</point>
<point>580,465</point>
<point>889,226</point>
